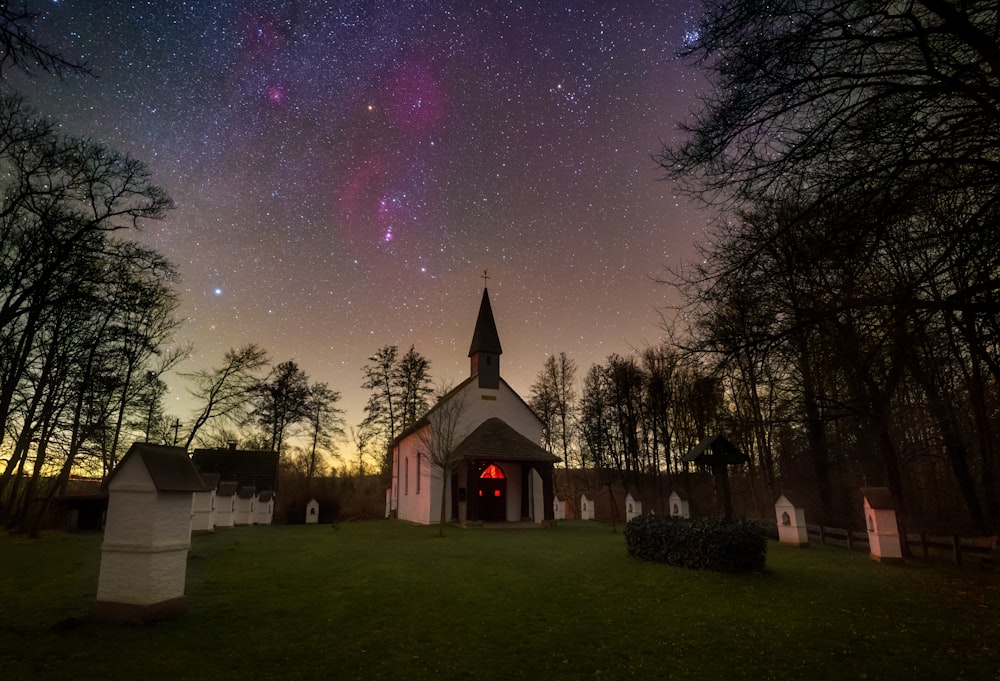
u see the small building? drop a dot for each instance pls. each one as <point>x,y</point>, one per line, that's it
<point>791,520</point>
<point>558,508</point>
<point>633,507</point>
<point>880,519</point>
<point>147,535</point>
<point>203,506</point>
<point>225,503</point>
<point>718,454</point>
<point>263,511</point>
<point>248,467</point>
<point>680,506</point>
<point>246,498</point>
<point>312,512</point>
<point>587,511</point>
<point>499,471</point>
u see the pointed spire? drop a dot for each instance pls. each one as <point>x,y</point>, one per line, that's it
<point>485,338</point>
<point>484,353</point>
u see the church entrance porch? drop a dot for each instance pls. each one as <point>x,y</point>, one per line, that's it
<point>492,494</point>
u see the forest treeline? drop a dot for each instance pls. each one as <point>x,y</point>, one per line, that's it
<point>841,325</point>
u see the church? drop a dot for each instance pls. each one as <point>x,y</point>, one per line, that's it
<point>502,473</point>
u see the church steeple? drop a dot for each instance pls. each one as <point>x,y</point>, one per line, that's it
<point>485,349</point>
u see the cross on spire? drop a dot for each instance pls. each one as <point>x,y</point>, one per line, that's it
<point>486,277</point>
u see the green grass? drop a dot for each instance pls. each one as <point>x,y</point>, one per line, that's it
<point>381,600</point>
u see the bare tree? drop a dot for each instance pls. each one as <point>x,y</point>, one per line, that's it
<point>444,431</point>
<point>325,421</point>
<point>227,391</point>
<point>281,401</point>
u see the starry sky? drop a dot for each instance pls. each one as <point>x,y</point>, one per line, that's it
<point>344,171</point>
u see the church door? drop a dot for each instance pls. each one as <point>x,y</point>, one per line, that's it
<point>492,495</point>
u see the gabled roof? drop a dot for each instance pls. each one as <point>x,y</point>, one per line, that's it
<point>424,420</point>
<point>716,450</point>
<point>169,467</point>
<point>485,338</point>
<point>790,497</point>
<point>494,439</point>
<point>247,467</point>
<point>211,481</point>
<point>879,497</point>
<point>227,489</point>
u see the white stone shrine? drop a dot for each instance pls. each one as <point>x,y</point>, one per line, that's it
<point>243,512</point>
<point>147,535</point>
<point>791,522</point>
<point>633,507</point>
<point>679,505</point>
<point>558,508</point>
<point>880,520</point>
<point>586,507</point>
<point>263,511</point>
<point>225,503</point>
<point>312,512</point>
<point>203,506</point>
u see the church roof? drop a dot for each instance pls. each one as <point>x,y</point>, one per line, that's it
<point>494,439</point>
<point>485,338</point>
<point>247,467</point>
<point>716,450</point>
<point>169,468</point>
<point>425,419</point>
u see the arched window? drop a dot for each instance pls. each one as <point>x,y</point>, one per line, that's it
<point>492,472</point>
<point>785,518</point>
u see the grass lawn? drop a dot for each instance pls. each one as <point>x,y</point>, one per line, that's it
<point>383,599</point>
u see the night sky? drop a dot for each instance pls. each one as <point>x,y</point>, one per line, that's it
<point>345,171</point>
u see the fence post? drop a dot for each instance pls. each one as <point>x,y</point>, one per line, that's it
<point>822,536</point>
<point>850,538</point>
<point>923,545</point>
<point>957,546</point>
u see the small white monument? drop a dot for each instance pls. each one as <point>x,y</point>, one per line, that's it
<point>880,519</point>
<point>263,511</point>
<point>586,507</point>
<point>312,512</point>
<point>203,507</point>
<point>791,522</point>
<point>633,507</point>
<point>243,511</point>
<point>225,503</point>
<point>558,508</point>
<point>679,505</point>
<point>147,535</point>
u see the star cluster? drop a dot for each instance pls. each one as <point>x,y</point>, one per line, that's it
<point>343,172</point>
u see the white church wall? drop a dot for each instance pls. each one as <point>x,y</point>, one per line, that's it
<point>416,488</point>
<point>513,471</point>
<point>537,488</point>
<point>482,404</point>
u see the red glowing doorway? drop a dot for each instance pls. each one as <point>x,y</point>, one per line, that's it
<point>492,494</point>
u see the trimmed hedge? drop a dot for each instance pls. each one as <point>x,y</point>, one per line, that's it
<point>702,544</point>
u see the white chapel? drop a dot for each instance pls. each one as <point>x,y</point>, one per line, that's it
<point>503,474</point>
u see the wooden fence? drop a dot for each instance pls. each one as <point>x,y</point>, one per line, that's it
<point>980,550</point>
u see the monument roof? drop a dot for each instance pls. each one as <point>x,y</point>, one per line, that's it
<point>494,439</point>
<point>169,468</point>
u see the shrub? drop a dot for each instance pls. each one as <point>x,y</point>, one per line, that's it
<point>703,544</point>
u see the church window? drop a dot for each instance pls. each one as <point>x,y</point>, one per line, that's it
<point>419,461</point>
<point>496,492</point>
<point>406,476</point>
<point>492,472</point>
